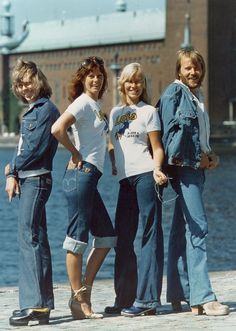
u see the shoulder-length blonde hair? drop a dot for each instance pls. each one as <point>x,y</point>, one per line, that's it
<point>76,87</point>
<point>127,74</point>
<point>28,69</point>
<point>196,58</point>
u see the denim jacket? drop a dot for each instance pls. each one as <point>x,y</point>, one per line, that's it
<point>37,145</point>
<point>180,128</point>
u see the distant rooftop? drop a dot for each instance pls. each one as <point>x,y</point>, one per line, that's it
<point>115,28</point>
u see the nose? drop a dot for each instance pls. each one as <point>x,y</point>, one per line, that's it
<point>24,87</point>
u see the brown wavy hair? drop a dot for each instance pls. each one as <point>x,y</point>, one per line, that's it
<point>39,81</point>
<point>76,87</point>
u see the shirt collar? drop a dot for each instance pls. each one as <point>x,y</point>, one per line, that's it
<point>198,95</point>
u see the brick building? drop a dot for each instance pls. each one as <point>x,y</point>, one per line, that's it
<point>150,37</point>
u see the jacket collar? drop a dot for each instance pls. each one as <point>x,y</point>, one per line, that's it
<point>38,101</point>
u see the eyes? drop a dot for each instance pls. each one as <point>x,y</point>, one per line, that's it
<point>92,76</point>
<point>194,68</point>
<point>23,84</point>
<point>135,82</point>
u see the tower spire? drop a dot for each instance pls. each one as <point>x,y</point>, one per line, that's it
<point>187,32</point>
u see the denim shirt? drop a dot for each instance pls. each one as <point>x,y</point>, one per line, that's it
<point>38,146</point>
<point>180,127</point>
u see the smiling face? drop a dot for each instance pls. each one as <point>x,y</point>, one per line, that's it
<point>93,83</point>
<point>133,89</point>
<point>190,73</point>
<point>26,89</point>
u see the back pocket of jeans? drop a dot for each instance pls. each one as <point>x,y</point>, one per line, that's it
<point>69,180</point>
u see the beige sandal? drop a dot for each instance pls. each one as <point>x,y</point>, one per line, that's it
<point>80,304</point>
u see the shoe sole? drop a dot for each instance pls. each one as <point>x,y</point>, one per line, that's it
<point>112,312</point>
<point>29,322</point>
<point>145,312</point>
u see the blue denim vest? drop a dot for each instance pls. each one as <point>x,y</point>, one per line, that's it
<point>39,145</point>
<point>180,128</point>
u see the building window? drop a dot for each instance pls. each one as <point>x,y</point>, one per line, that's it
<point>232,113</point>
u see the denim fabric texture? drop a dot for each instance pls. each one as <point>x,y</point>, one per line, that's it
<point>137,202</point>
<point>86,210</point>
<point>179,120</point>
<point>39,145</point>
<point>187,275</point>
<point>35,268</point>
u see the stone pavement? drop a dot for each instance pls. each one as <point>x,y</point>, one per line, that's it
<point>224,284</point>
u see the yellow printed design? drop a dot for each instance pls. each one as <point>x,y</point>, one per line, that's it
<point>125,118</point>
<point>123,123</point>
<point>102,117</point>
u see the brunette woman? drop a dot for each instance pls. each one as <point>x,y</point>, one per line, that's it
<point>86,211</point>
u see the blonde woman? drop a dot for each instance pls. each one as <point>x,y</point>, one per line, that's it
<point>132,125</point>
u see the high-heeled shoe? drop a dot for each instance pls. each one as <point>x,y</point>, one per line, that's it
<point>212,308</point>
<point>80,304</point>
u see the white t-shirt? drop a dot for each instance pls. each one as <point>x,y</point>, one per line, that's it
<point>89,130</point>
<point>129,126</point>
<point>204,124</point>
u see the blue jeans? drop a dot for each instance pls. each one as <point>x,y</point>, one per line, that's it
<point>138,201</point>
<point>35,268</point>
<point>86,211</point>
<point>187,273</point>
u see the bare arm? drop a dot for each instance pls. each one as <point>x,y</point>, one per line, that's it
<point>111,153</point>
<point>158,156</point>
<point>59,130</point>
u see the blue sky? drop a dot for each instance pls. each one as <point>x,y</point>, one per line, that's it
<point>44,10</point>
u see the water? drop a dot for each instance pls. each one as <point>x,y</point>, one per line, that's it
<point>220,204</point>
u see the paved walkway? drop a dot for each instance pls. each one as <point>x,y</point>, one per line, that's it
<point>224,284</point>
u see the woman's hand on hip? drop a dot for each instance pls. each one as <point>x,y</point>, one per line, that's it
<point>75,160</point>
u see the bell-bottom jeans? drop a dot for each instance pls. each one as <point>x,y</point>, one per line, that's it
<point>138,283</point>
<point>187,273</point>
<point>35,268</point>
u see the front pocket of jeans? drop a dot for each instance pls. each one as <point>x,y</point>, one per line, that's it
<point>69,180</point>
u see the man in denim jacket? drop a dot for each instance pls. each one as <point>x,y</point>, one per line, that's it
<point>186,131</point>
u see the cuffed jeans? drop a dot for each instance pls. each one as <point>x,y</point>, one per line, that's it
<point>86,211</point>
<point>138,201</point>
<point>187,274</point>
<point>35,268</point>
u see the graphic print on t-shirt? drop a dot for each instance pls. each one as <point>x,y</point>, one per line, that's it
<point>102,117</point>
<point>122,122</point>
